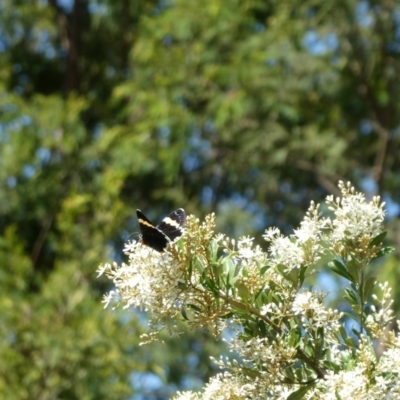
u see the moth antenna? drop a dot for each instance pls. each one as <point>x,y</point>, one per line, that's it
<point>129,236</point>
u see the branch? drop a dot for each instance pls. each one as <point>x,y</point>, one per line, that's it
<point>324,181</point>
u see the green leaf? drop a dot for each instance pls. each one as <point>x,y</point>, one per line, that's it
<point>383,252</point>
<point>217,272</point>
<point>302,275</point>
<point>194,307</point>
<point>214,246</point>
<point>184,314</point>
<point>227,271</point>
<point>292,276</point>
<point>243,290</point>
<point>377,240</point>
<point>351,296</point>
<point>337,395</point>
<point>190,270</point>
<point>259,293</point>
<point>210,284</point>
<point>337,267</point>
<point>355,332</point>
<point>342,331</point>
<point>300,393</point>
<point>182,285</point>
<point>198,265</point>
<point>262,327</point>
<point>351,316</point>
<point>350,342</point>
<point>369,285</point>
<point>332,366</point>
<point>294,339</point>
<point>354,268</point>
<point>264,269</point>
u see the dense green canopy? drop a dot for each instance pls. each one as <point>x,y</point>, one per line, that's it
<point>249,109</point>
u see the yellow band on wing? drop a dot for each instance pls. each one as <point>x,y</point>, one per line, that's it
<point>143,222</point>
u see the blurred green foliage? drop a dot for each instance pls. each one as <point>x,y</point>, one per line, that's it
<point>246,108</point>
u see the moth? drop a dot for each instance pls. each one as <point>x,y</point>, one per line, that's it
<point>169,229</point>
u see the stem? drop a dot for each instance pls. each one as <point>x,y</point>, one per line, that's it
<point>300,354</point>
<point>361,296</point>
<point>252,310</point>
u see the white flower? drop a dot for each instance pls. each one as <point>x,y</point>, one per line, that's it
<point>311,227</point>
<point>284,251</point>
<point>269,354</point>
<point>355,218</point>
<point>249,254</point>
<point>309,306</point>
<point>281,332</point>
<point>346,384</point>
<point>187,396</point>
<point>271,233</point>
<point>389,362</point>
<point>269,308</point>
<point>225,386</point>
<point>149,281</point>
<point>301,249</point>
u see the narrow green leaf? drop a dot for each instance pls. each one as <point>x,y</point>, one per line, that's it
<point>259,293</point>
<point>194,307</point>
<point>369,285</point>
<point>343,332</point>
<point>350,342</point>
<point>210,284</point>
<point>190,270</point>
<point>300,393</point>
<point>332,366</point>
<point>262,327</point>
<point>217,272</point>
<point>340,269</point>
<point>292,276</point>
<point>351,297</point>
<point>383,252</point>
<point>214,250</point>
<point>230,269</point>
<point>302,275</point>
<point>243,290</point>
<point>353,267</point>
<point>264,269</point>
<point>377,240</point>
<point>355,332</point>
<point>198,265</point>
<point>184,314</point>
<point>351,316</point>
<point>337,395</point>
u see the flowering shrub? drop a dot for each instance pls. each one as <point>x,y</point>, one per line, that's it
<point>291,346</point>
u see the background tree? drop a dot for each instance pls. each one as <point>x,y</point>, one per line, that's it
<point>249,109</point>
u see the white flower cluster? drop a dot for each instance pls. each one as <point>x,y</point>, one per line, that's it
<point>301,249</point>
<point>149,281</point>
<point>247,259</point>
<point>267,354</point>
<point>355,218</point>
<point>287,340</point>
<point>244,251</point>
<point>369,378</point>
<point>381,317</point>
<point>313,313</point>
<point>224,386</point>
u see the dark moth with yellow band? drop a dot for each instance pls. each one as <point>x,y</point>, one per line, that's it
<point>169,229</point>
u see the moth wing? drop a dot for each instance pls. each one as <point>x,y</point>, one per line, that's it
<point>152,236</point>
<point>172,225</point>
